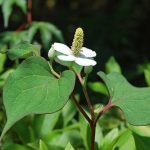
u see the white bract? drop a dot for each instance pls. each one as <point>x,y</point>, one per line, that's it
<point>84,58</point>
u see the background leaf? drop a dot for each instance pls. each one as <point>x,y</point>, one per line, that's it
<point>98,87</point>
<point>2,61</point>
<point>147,75</point>
<point>7,7</point>
<point>141,142</point>
<point>124,141</point>
<point>42,146</point>
<point>69,147</point>
<point>48,32</point>
<point>44,124</point>
<point>23,50</point>
<point>16,147</point>
<point>112,65</point>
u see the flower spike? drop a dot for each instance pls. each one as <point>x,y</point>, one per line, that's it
<point>77,43</point>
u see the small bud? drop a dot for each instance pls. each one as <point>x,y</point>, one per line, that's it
<point>51,53</point>
<point>77,43</point>
<point>88,69</point>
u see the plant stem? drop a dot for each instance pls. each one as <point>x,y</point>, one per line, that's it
<point>53,71</point>
<point>92,123</point>
<point>87,97</point>
<point>29,17</point>
<point>29,13</point>
<point>80,108</point>
<point>21,27</point>
<point>105,109</point>
<point>89,104</point>
<point>93,131</point>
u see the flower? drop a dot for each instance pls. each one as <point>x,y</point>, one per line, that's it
<point>80,55</point>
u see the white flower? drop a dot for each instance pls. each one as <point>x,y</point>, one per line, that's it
<point>84,58</point>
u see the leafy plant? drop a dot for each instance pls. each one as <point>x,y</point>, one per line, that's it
<point>41,96</point>
<point>34,87</point>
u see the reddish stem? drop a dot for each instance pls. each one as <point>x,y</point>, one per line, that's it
<point>29,17</point>
<point>87,97</point>
<point>93,131</point>
<point>80,108</point>
<point>105,109</point>
<point>29,13</point>
<point>21,27</point>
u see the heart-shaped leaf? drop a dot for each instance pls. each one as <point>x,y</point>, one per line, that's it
<point>133,101</point>
<point>33,89</point>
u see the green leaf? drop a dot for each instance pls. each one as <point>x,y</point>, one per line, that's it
<point>7,8</point>
<point>69,147</point>
<point>43,124</point>
<point>21,129</point>
<point>141,142</point>
<point>33,89</point>
<point>84,131</point>
<point>15,147</point>
<point>98,135</point>
<point>61,137</point>
<point>4,76</point>
<point>140,130</point>
<point>48,32</point>
<point>133,101</point>
<point>69,111</point>
<point>147,75</point>
<point>109,138</point>
<point>98,87</point>
<point>112,66</point>
<point>1,1</point>
<point>23,51</point>
<point>42,146</point>
<point>125,141</point>
<point>2,62</point>
<point>13,38</point>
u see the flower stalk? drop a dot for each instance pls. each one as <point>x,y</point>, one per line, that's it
<point>83,57</point>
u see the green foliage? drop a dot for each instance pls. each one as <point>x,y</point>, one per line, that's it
<point>23,51</point>
<point>7,8</point>
<point>109,139</point>
<point>12,38</point>
<point>128,98</point>
<point>48,32</point>
<point>98,87</point>
<point>56,137</point>
<point>69,111</point>
<point>147,75</point>
<point>4,76</point>
<point>44,124</point>
<point>69,147</point>
<point>112,66</point>
<point>2,61</point>
<point>125,141</point>
<point>15,147</point>
<point>42,146</point>
<point>33,89</point>
<point>145,68</point>
<point>141,142</point>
